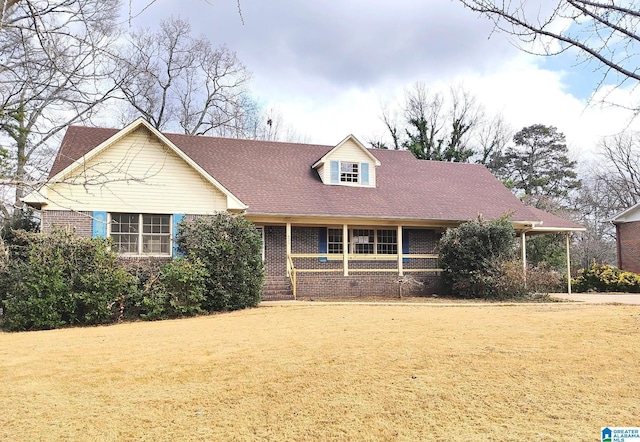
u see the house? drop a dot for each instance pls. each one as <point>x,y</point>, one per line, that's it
<point>628,238</point>
<point>338,220</point>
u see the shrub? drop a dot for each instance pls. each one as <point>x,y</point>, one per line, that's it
<point>178,291</point>
<point>146,274</point>
<point>605,278</point>
<point>231,250</point>
<point>471,256</point>
<point>59,279</point>
<point>508,280</point>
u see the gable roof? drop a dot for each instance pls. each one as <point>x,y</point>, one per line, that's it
<point>340,144</point>
<point>275,178</point>
<point>628,215</point>
<point>71,162</point>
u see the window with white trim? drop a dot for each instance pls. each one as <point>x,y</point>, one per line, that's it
<point>387,242</point>
<point>334,241</point>
<point>141,234</point>
<point>349,172</point>
<point>372,241</point>
<point>361,241</point>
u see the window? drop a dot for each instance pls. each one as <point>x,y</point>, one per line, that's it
<point>387,242</point>
<point>359,242</point>
<point>363,241</point>
<point>348,172</point>
<point>334,240</point>
<point>140,234</point>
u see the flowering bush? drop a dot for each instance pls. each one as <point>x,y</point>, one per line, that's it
<point>605,278</point>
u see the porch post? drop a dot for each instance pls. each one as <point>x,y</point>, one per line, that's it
<point>400,269</point>
<point>288,235</point>
<point>523,238</point>
<point>568,265</point>
<point>345,250</point>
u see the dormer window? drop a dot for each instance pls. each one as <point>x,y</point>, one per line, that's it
<point>348,164</point>
<point>348,172</point>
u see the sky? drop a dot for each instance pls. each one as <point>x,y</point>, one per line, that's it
<point>327,66</point>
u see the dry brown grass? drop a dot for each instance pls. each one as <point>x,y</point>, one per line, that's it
<point>330,372</point>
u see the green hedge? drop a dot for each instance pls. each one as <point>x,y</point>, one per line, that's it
<point>230,249</point>
<point>57,280</point>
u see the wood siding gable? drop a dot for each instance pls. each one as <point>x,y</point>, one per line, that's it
<point>138,171</point>
<point>352,151</point>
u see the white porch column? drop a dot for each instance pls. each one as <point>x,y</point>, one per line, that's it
<point>400,269</point>
<point>345,249</point>
<point>523,238</point>
<point>568,264</point>
<point>288,235</point>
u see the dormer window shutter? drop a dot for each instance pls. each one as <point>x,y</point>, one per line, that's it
<point>364,174</point>
<point>335,172</point>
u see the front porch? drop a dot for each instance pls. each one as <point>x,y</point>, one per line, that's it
<point>352,260</point>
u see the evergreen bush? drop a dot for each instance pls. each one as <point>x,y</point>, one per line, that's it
<point>59,279</point>
<point>471,256</point>
<point>178,291</point>
<point>231,250</point>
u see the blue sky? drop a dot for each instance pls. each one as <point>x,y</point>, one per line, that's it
<point>327,66</point>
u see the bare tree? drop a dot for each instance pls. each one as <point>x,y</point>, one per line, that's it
<point>435,126</point>
<point>493,136</point>
<point>605,31</point>
<point>177,81</point>
<point>593,208</point>
<point>619,171</point>
<point>55,72</point>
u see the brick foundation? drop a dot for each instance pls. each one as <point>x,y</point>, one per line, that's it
<point>628,235</point>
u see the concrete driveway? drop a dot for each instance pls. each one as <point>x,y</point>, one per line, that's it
<point>601,298</point>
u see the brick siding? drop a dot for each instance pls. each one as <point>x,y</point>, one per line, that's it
<point>80,222</point>
<point>629,246</point>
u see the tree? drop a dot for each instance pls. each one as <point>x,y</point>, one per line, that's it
<point>55,71</point>
<point>538,168</point>
<point>177,81</point>
<point>619,170</point>
<point>435,126</point>
<point>603,31</point>
<point>594,206</point>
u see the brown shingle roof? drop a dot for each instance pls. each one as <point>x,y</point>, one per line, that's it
<point>277,178</point>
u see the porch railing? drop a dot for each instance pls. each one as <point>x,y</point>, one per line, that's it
<point>293,277</point>
<point>362,257</point>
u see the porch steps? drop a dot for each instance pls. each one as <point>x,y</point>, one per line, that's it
<point>277,288</point>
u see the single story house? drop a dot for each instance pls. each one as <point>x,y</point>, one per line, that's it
<point>338,220</point>
<point>628,238</point>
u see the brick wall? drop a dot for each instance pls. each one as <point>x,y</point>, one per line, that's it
<point>275,251</point>
<point>629,246</point>
<point>81,222</point>
<point>335,285</point>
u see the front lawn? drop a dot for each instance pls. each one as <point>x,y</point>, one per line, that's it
<point>330,372</point>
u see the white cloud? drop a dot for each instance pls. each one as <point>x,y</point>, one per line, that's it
<point>327,66</point>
